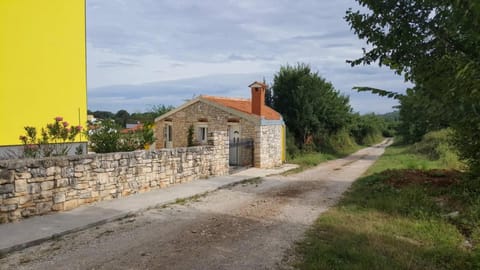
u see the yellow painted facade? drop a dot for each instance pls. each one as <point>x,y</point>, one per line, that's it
<point>42,65</point>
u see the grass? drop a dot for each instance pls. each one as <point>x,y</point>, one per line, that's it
<point>408,212</point>
<point>401,157</point>
<point>309,160</point>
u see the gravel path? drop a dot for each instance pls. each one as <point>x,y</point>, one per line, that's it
<point>252,225</point>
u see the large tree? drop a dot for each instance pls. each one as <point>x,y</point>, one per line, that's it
<point>434,44</point>
<point>308,103</point>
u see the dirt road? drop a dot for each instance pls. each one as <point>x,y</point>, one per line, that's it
<point>252,225</point>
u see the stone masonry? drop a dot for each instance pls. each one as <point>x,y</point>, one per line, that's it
<point>199,114</point>
<point>31,187</point>
<point>267,152</point>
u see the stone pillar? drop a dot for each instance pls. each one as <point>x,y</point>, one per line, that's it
<point>219,141</point>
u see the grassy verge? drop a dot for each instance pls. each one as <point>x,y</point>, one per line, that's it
<point>309,160</point>
<point>418,216</point>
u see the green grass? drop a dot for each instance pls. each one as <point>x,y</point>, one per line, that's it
<point>402,157</point>
<point>390,221</point>
<point>309,160</point>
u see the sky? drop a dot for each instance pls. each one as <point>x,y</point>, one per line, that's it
<point>143,53</point>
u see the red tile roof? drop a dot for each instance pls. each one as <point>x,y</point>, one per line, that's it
<point>243,105</point>
<point>132,129</point>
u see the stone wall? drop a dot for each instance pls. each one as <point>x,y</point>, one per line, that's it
<point>268,146</point>
<point>38,186</point>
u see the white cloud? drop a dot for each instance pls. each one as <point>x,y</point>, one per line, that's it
<point>137,44</point>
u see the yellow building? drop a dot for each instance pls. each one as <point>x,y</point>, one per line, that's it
<point>42,65</point>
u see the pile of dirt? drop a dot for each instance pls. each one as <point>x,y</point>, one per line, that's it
<point>440,178</point>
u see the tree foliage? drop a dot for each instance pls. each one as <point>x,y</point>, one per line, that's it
<point>434,44</point>
<point>123,117</point>
<point>308,103</point>
<point>418,119</point>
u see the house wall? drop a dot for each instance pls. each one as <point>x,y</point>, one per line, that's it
<point>269,145</point>
<point>38,186</point>
<point>42,65</point>
<point>216,120</point>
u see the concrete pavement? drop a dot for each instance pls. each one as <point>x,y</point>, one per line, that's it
<point>32,231</point>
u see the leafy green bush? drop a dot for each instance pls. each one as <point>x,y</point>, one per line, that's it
<point>436,145</point>
<point>368,129</point>
<point>336,143</point>
<point>292,149</point>
<point>104,136</point>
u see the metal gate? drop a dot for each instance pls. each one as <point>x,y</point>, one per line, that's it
<point>241,152</point>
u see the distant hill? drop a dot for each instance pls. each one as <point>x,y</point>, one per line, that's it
<point>393,116</point>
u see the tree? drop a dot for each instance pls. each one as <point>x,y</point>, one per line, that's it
<point>308,104</point>
<point>161,109</point>
<point>103,115</point>
<point>418,119</point>
<point>121,117</point>
<point>434,44</point>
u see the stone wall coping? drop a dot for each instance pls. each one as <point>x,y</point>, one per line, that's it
<point>60,160</point>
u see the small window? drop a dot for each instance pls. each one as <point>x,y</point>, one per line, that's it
<point>168,133</point>
<point>202,133</point>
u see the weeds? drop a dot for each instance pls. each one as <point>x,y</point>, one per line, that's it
<point>406,217</point>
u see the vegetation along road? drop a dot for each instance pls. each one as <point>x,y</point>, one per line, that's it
<point>252,225</point>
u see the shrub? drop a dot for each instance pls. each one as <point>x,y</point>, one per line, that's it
<point>436,145</point>
<point>54,140</point>
<point>292,149</point>
<point>104,136</point>
<point>337,143</point>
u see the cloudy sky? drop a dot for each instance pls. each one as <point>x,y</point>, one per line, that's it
<point>143,53</point>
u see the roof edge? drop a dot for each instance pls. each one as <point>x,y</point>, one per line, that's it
<point>179,108</point>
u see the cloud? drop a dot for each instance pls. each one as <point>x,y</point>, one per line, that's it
<point>165,51</point>
<point>122,62</point>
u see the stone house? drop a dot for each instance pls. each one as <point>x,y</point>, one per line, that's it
<point>256,132</point>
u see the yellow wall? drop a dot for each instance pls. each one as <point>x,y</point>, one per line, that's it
<point>42,65</point>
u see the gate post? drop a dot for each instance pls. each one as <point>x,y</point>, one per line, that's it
<point>219,141</point>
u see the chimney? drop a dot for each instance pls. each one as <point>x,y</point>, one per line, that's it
<point>258,97</point>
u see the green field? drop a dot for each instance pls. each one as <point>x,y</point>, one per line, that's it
<point>408,212</point>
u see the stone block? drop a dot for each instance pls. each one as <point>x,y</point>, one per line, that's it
<point>23,175</point>
<point>67,172</point>
<point>8,208</point>
<point>62,182</point>
<point>47,185</point>
<point>21,185</point>
<point>79,168</point>
<point>38,172</point>
<point>6,188</point>
<point>43,208</point>
<point>57,207</point>
<point>85,195</point>
<point>27,212</point>
<point>50,171</point>
<point>6,176</point>
<point>59,197</point>
<point>25,199</point>
<point>45,195</point>
<point>68,205</point>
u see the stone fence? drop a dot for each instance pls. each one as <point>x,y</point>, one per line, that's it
<point>31,187</point>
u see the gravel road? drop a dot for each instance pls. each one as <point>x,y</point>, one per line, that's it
<point>252,225</point>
